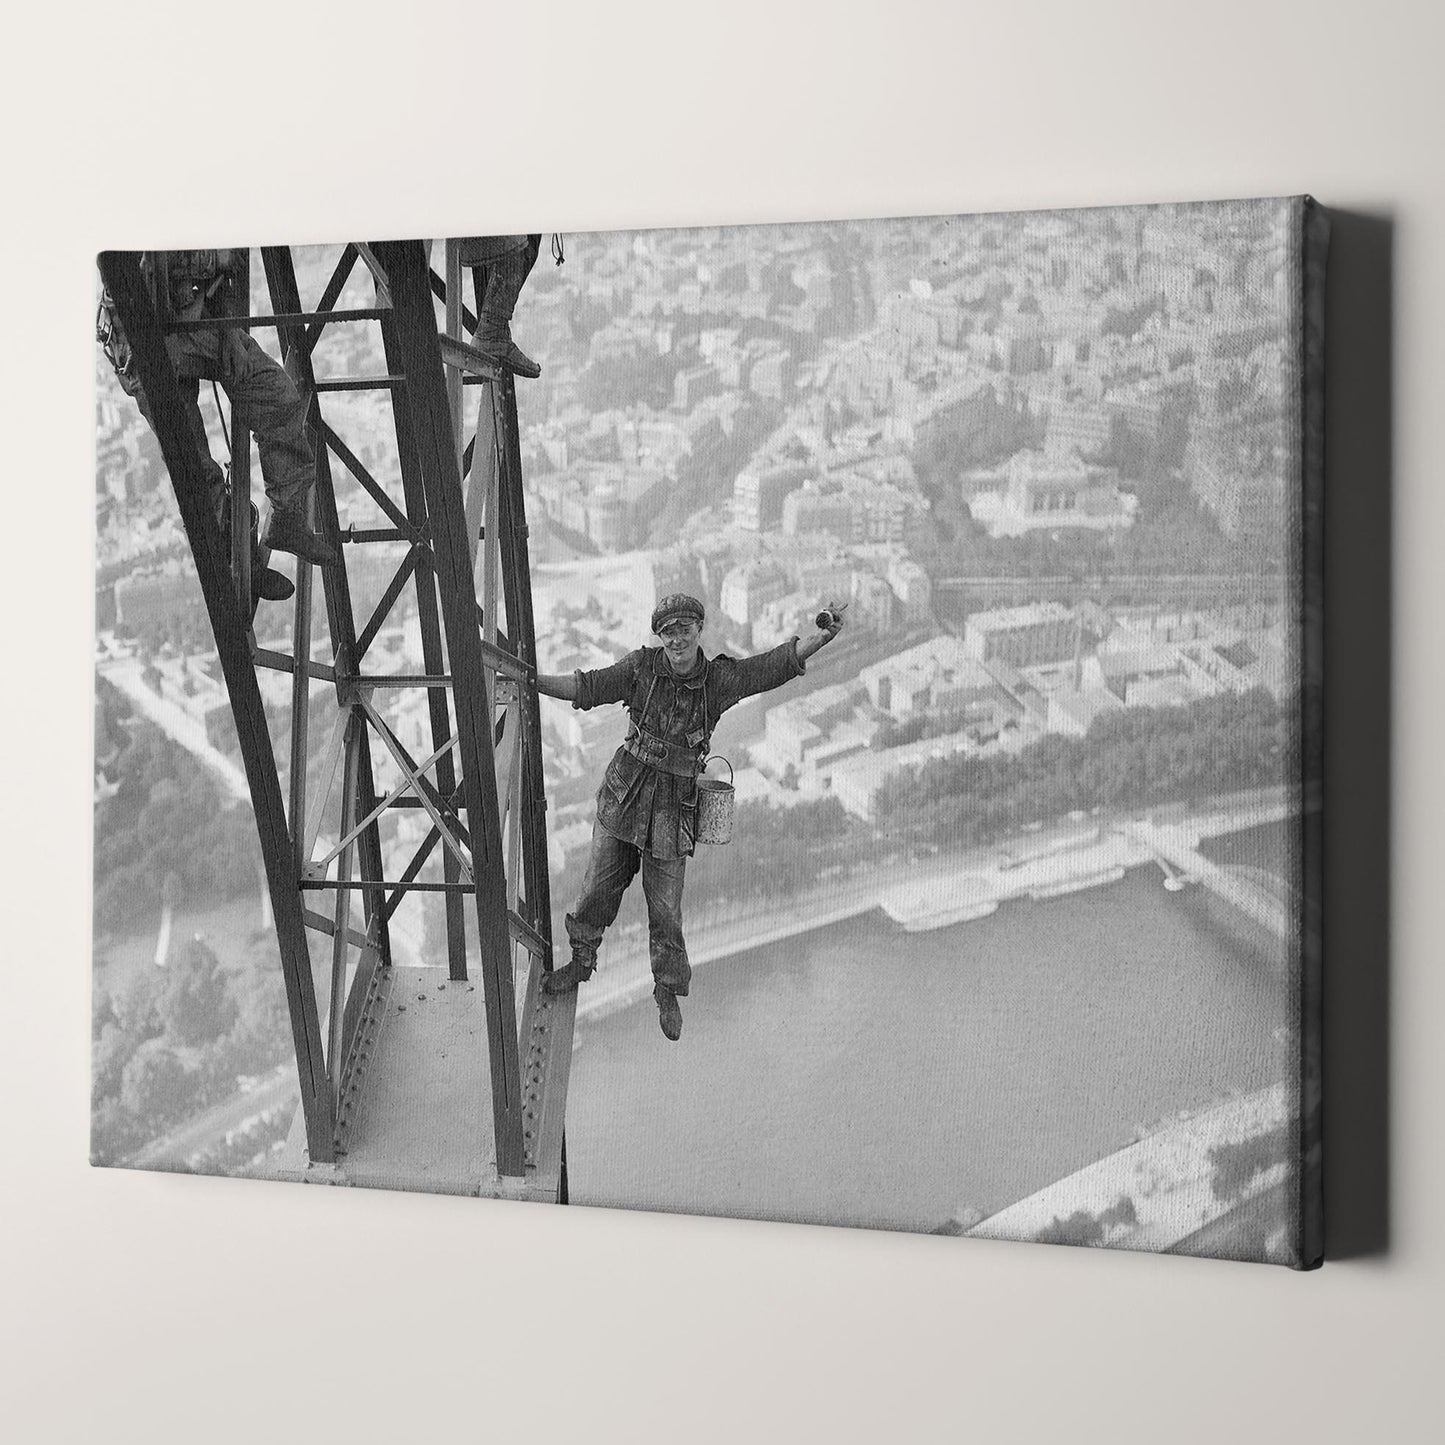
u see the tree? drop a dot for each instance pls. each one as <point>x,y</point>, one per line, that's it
<point>263,1031</point>
<point>1080,1227</point>
<point>167,819</point>
<point>103,1010</point>
<point>1121,1212</point>
<point>109,1055</point>
<point>1237,1166</point>
<point>135,1008</point>
<point>1129,758</point>
<point>113,1132</point>
<point>195,1002</point>
<point>155,1086</point>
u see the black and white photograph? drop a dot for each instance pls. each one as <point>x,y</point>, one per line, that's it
<point>812,722</point>
<point>722,723</point>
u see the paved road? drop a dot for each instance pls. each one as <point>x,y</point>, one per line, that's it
<point>277,1089</point>
<point>125,674</point>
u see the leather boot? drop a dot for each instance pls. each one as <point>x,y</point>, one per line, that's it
<point>269,585</point>
<point>494,341</point>
<point>288,532</point>
<point>564,980</point>
<point>669,1014</point>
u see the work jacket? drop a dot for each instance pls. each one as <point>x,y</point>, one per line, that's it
<point>190,279</point>
<point>649,795</point>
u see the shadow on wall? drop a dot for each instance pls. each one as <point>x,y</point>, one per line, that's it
<point>1358,546</point>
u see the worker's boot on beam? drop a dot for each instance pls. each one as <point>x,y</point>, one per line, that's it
<point>564,980</point>
<point>494,341</point>
<point>267,584</point>
<point>288,531</point>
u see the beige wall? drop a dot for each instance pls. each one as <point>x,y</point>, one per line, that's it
<point>146,1307</point>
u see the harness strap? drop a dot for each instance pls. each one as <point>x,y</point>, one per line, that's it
<point>657,752</point>
<point>671,757</point>
<point>646,703</point>
<point>224,431</point>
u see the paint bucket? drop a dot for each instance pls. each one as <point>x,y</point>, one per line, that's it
<point>716,805</point>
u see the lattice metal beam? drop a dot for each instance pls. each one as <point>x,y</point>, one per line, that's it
<point>123,279</point>
<point>412,325</point>
<point>478,665</point>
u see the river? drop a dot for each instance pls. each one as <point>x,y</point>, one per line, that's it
<point>862,1076</point>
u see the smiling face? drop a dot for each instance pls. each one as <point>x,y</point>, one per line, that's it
<point>680,637</point>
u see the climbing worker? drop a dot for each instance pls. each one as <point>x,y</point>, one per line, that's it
<point>263,397</point>
<point>267,584</point>
<point>647,804</point>
<point>500,264</point>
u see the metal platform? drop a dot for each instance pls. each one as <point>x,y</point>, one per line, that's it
<point>418,1108</point>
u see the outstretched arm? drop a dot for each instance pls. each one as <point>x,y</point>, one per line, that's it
<point>748,676</point>
<point>558,684</point>
<point>585,689</point>
<point>810,644</point>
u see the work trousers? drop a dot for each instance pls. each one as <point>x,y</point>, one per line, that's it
<point>263,398</point>
<point>611,867</point>
<point>499,280</point>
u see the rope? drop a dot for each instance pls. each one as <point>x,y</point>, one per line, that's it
<point>557,254</point>
<point>216,392</point>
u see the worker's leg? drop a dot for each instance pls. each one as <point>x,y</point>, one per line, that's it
<point>194,355</point>
<point>265,400</point>
<point>610,868</point>
<point>505,276</point>
<point>662,880</point>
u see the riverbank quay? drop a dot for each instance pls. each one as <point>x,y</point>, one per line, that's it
<point>1156,1193</point>
<point>939,891</point>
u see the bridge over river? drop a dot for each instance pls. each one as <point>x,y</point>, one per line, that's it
<point>1177,849</point>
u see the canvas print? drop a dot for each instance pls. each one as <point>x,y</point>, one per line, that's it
<point>813,723</point>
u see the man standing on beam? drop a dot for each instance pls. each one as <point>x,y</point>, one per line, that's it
<point>647,804</point>
<point>263,397</point>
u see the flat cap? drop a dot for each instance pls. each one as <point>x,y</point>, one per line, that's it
<point>675,605</point>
